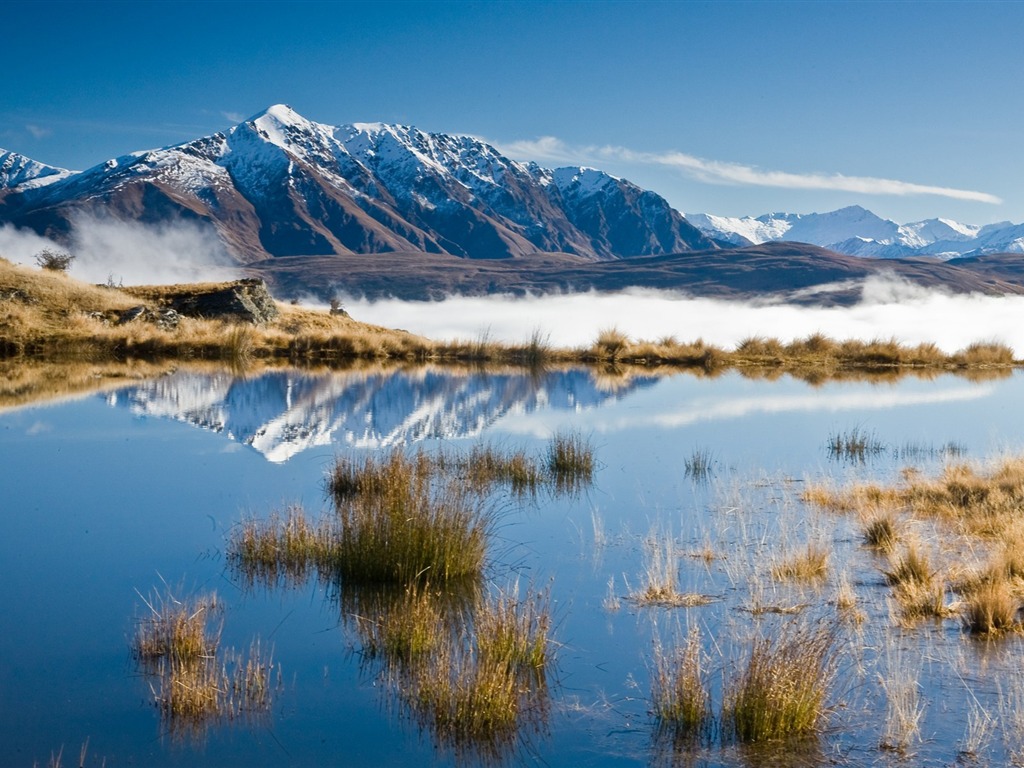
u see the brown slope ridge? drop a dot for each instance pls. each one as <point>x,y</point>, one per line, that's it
<point>794,272</point>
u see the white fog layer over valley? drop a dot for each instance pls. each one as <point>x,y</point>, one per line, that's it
<point>887,309</point>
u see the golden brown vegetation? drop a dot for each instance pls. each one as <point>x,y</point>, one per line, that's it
<point>177,646</point>
<point>779,691</point>
<point>47,314</point>
<point>982,503</point>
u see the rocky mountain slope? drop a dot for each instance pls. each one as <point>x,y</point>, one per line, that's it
<point>281,185</point>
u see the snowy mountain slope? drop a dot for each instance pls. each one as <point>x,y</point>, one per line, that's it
<point>19,171</point>
<point>281,185</point>
<point>856,231</point>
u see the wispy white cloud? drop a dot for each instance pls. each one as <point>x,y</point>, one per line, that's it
<point>37,131</point>
<point>553,149</point>
<point>234,117</point>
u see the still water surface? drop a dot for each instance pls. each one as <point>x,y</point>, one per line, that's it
<point>111,495</point>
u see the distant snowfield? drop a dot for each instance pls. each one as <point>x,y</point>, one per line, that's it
<point>888,309</point>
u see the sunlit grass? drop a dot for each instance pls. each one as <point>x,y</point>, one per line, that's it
<point>779,690</point>
<point>680,694</point>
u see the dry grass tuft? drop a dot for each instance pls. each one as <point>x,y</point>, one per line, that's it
<point>854,445</point>
<point>660,584</point>
<point>779,690</point>
<point>570,460</point>
<point>880,532</point>
<point>991,609</point>
<point>477,691</point>
<point>179,630</point>
<point>679,690</point>
<point>809,565</point>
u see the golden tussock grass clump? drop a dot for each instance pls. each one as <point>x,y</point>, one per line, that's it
<point>281,549</point>
<point>477,690</point>
<point>880,530</point>
<point>991,609</point>
<point>809,565</point>
<point>409,527</point>
<point>177,646</point>
<point>680,695</point>
<point>181,630</point>
<point>778,692</point>
<point>918,591</point>
<point>979,502</point>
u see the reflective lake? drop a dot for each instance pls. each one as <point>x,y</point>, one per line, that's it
<point>109,497</point>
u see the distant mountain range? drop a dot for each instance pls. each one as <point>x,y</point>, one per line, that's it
<point>856,231</point>
<point>378,210</point>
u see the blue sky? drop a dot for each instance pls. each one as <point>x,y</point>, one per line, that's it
<point>911,109</point>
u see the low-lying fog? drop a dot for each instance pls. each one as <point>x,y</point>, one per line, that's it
<point>888,308</point>
<point>133,253</point>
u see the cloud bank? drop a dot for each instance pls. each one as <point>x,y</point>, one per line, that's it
<point>552,149</point>
<point>888,309</point>
<point>132,253</point>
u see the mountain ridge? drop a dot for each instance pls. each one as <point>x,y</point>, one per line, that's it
<point>278,184</point>
<point>856,231</point>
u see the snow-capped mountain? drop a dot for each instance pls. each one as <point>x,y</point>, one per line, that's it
<point>19,171</point>
<point>281,185</point>
<point>282,413</point>
<point>857,231</point>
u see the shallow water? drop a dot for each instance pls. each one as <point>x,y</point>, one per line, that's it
<point>113,495</point>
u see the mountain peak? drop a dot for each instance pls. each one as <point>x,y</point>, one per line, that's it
<point>17,170</point>
<point>280,113</point>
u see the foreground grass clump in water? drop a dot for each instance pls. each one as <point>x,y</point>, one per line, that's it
<point>477,690</point>
<point>854,445</point>
<point>402,526</point>
<point>679,690</point>
<point>177,629</point>
<point>979,502</point>
<point>779,691</point>
<point>809,565</point>
<point>279,549</point>
<point>880,532</point>
<point>991,609</point>
<point>699,464</point>
<point>485,466</point>
<point>194,686</point>
<point>660,575</point>
<point>402,629</point>
<point>570,460</point>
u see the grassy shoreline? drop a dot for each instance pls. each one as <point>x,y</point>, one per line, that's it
<point>52,318</point>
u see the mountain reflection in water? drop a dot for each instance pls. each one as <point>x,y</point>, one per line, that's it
<point>282,413</point>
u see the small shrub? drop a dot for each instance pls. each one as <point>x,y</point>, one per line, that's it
<point>54,261</point>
